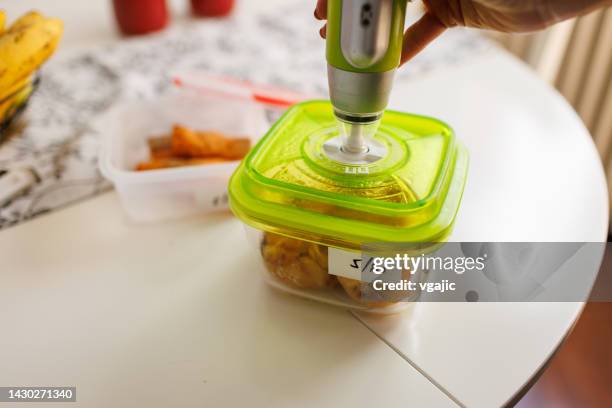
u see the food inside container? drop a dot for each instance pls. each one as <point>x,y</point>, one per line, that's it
<point>189,147</point>
<point>305,265</point>
<point>314,219</point>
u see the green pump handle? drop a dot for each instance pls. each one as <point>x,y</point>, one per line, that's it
<point>389,61</point>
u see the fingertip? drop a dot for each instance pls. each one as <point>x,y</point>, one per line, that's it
<point>323,31</point>
<point>321,10</point>
<point>419,35</point>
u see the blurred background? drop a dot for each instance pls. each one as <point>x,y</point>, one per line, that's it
<point>575,57</point>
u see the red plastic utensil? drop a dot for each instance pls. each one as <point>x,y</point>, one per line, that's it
<point>230,87</point>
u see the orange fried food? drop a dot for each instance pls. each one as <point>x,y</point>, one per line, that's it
<point>237,148</point>
<point>187,147</point>
<point>160,147</point>
<point>189,143</point>
<point>297,263</point>
<point>164,163</point>
<point>364,292</point>
<point>355,288</point>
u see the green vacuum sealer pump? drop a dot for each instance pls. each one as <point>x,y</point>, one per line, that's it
<point>364,46</point>
<point>315,194</point>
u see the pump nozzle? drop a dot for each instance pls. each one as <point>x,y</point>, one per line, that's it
<point>356,130</point>
<point>355,145</point>
<point>364,41</point>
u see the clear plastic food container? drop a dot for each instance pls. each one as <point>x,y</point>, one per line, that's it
<point>310,217</point>
<point>200,102</point>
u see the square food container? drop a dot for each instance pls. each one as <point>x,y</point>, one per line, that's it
<point>177,192</point>
<point>311,217</point>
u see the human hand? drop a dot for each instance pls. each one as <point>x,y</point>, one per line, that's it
<point>498,15</point>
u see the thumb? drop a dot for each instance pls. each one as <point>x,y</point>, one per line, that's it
<point>419,35</point>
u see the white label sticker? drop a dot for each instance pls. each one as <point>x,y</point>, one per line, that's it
<point>344,263</point>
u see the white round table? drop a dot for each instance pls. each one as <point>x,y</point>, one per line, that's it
<point>173,315</point>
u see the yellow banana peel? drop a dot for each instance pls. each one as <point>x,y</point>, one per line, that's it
<point>8,107</point>
<point>28,19</point>
<point>13,89</point>
<point>26,45</point>
<point>2,21</point>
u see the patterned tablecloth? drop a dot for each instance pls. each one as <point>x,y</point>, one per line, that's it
<point>56,137</point>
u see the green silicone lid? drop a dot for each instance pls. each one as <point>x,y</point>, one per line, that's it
<point>288,185</point>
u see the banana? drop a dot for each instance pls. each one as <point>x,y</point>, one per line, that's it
<point>25,46</point>
<point>7,108</point>
<point>13,89</point>
<point>28,19</point>
<point>2,21</point>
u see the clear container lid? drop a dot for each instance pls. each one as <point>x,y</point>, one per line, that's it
<point>290,184</point>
